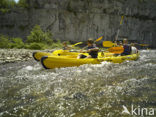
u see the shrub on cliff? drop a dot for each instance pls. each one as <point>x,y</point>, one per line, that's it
<point>57,44</point>
<point>7,42</point>
<point>38,36</point>
<point>35,46</point>
<point>4,41</point>
<point>23,3</point>
<point>17,43</point>
<point>6,5</point>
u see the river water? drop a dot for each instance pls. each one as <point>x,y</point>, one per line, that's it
<point>28,90</point>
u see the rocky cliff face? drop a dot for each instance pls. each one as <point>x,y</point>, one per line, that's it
<point>77,20</point>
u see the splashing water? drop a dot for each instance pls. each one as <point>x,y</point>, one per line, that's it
<point>87,91</point>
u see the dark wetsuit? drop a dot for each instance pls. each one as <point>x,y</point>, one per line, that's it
<point>127,50</point>
<point>93,54</point>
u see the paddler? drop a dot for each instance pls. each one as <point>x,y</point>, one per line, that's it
<point>65,46</point>
<point>127,48</point>
<point>91,49</point>
<point>120,44</point>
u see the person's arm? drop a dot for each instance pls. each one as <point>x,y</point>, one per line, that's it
<point>66,48</point>
<point>93,49</point>
<point>69,47</point>
<point>83,51</point>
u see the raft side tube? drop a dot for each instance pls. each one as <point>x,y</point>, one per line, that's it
<point>34,53</point>
<point>42,61</point>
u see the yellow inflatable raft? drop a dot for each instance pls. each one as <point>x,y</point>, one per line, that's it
<point>38,55</point>
<point>50,62</point>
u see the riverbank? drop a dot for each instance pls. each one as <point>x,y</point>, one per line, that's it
<point>14,55</point>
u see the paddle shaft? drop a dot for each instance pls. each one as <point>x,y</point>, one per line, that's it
<point>117,35</point>
<point>77,44</point>
<point>143,44</point>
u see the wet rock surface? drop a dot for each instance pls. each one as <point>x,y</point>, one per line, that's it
<point>14,55</point>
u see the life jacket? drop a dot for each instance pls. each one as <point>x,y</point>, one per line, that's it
<point>127,50</point>
<point>93,54</point>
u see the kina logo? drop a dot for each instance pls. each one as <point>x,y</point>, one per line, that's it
<point>138,111</point>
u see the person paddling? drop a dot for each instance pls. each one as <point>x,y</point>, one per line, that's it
<point>91,49</point>
<point>65,46</point>
<point>127,48</point>
<point>120,44</point>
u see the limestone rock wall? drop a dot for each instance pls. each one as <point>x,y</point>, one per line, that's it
<point>77,20</point>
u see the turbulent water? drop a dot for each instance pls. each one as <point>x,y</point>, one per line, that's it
<point>28,90</point>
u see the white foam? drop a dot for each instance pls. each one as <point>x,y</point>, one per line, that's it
<point>88,70</point>
<point>29,68</point>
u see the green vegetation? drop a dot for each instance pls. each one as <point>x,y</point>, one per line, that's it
<point>6,5</point>
<point>38,36</point>
<point>23,3</point>
<point>7,42</point>
<point>38,39</point>
<point>4,10</point>
<point>36,46</point>
<point>17,43</point>
<point>4,41</point>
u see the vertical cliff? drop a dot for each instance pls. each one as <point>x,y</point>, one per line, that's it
<point>77,20</point>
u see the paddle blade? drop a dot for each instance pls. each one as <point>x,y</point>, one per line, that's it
<point>77,44</point>
<point>143,44</point>
<point>116,50</point>
<point>121,20</point>
<point>100,38</point>
<point>108,44</point>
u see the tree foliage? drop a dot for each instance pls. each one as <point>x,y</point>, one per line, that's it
<point>7,3</point>
<point>4,41</point>
<point>23,3</point>
<point>17,43</point>
<point>38,36</point>
<point>38,40</point>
